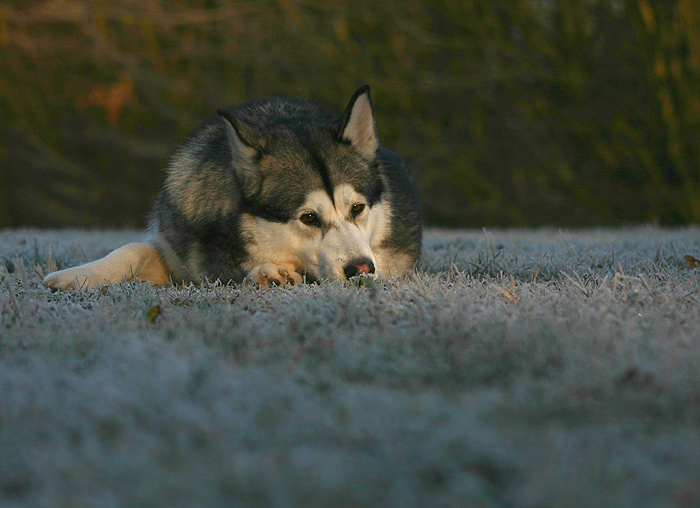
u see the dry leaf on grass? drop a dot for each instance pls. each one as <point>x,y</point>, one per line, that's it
<point>692,262</point>
<point>153,313</point>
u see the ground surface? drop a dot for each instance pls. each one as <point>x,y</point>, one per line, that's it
<point>515,368</point>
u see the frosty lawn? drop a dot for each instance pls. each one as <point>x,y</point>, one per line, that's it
<point>514,368</point>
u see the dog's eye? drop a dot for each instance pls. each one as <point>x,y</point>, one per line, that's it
<point>309,218</point>
<point>357,209</point>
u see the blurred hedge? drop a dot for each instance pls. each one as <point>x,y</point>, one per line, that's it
<point>570,112</point>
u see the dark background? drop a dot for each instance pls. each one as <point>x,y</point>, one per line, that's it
<point>512,112</point>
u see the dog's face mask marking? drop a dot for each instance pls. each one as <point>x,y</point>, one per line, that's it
<point>328,237</point>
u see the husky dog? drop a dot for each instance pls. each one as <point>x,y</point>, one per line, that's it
<point>274,191</point>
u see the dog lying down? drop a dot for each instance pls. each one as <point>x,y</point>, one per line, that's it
<point>274,191</point>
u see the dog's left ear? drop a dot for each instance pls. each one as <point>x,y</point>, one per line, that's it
<point>357,124</point>
<point>245,153</point>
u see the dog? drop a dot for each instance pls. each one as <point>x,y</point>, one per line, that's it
<point>274,191</point>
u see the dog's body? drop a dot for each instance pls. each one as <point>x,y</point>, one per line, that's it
<point>274,190</point>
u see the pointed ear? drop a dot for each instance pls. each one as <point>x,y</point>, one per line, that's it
<point>358,124</point>
<point>245,154</point>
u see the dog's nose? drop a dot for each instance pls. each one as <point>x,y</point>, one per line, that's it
<point>359,267</point>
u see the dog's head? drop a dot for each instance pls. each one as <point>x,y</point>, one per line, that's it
<point>311,187</point>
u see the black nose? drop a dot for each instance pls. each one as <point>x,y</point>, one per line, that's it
<point>359,267</point>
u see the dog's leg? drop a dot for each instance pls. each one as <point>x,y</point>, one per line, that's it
<point>267,273</point>
<point>135,260</point>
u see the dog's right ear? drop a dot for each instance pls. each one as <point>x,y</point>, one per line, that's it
<point>245,154</point>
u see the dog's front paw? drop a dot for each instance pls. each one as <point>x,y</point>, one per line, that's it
<point>73,278</point>
<point>270,273</point>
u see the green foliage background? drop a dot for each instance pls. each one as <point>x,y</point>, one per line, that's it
<point>528,112</point>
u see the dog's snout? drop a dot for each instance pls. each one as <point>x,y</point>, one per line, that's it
<point>359,267</point>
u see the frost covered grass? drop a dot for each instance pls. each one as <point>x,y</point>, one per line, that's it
<point>514,368</point>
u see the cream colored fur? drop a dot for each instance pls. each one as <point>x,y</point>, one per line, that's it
<point>135,260</point>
